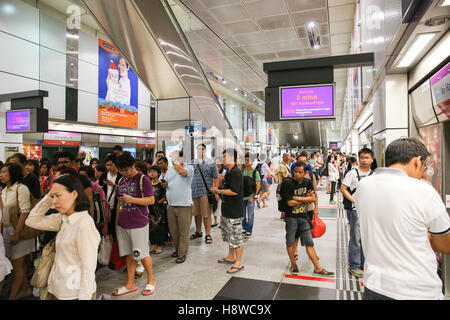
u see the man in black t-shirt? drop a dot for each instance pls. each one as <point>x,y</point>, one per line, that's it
<point>298,194</point>
<point>66,159</point>
<point>232,211</point>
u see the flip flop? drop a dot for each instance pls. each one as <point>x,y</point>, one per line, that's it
<point>223,260</point>
<point>181,259</point>
<point>137,275</point>
<point>150,288</point>
<point>208,239</point>
<point>214,225</point>
<point>121,291</point>
<point>196,235</point>
<point>174,255</point>
<point>156,252</point>
<point>235,268</point>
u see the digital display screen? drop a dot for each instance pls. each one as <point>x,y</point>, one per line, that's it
<point>303,102</point>
<point>17,121</point>
<point>440,90</point>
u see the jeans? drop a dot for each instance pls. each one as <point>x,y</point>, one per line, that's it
<point>355,252</point>
<point>372,295</point>
<point>249,215</point>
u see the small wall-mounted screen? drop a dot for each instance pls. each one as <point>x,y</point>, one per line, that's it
<point>307,102</point>
<point>18,121</point>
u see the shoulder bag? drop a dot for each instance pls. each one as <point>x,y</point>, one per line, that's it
<point>211,196</point>
<point>26,232</point>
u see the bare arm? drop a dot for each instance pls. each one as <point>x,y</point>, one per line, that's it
<point>346,194</point>
<point>440,243</point>
<point>181,171</point>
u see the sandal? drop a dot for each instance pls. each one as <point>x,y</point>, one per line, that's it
<point>196,235</point>
<point>121,291</point>
<point>324,272</point>
<point>223,260</point>
<point>174,255</point>
<point>137,275</point>
<point>208,239</point>
<point>149,289</point>
<point>235,268</point>
<point>295,257</point>
<point>214,225</point>
<point>181,259</point>
<point>158,252</point>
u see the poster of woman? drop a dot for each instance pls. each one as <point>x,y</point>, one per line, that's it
<point>117,89</point>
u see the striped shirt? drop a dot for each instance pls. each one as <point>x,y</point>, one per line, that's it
<point>210,172</point>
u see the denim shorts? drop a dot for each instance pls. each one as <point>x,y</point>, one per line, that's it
<point>298,228</point>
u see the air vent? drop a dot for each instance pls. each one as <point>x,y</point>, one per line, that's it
<point>436,21</point>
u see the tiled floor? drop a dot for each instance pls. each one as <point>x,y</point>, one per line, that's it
<point>266,275</point>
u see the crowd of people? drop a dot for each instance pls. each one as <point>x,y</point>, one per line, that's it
<point>145,206</point>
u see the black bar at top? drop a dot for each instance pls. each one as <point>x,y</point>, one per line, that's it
<point>23,94</point>
<point>344,61</point>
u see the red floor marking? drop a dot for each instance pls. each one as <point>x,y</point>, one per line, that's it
<point>309,278</point>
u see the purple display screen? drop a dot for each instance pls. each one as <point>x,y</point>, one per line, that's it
<point>18,120</point>
<point>307,102</point>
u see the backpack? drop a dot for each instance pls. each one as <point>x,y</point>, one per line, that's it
<point>282,204</point>
<point>258,168</point>
<point>348,205</point>
<point>99,208</point>
<point>249,184</point>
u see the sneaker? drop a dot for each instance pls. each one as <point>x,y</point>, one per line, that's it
<point>294,268</point>
<point>356,273</point>
<point>247,234</point>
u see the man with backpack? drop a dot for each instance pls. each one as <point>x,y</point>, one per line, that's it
<point>349,185</point>
<point>262,168</point>
<point>252,184</point>
<point>135,193</point>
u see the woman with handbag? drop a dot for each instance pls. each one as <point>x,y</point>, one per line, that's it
<point>72,275</point>
<point>16,206</point>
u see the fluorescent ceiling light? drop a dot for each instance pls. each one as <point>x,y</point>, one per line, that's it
<point>445,3</point>
<point>415,49</point>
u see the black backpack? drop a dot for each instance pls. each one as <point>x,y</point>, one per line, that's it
<point>258,168</point>
<point>98,206</point>
<point>249,184</point>
<point>348,205</point>
<point>282,203</point>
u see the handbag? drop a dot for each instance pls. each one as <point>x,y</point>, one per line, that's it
<point>211,196</point>
<point>105,251</point>
<point>40,276</point>
<point>319,227</point>
<point>26,232</point>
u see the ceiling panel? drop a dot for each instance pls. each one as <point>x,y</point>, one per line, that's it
<point>340,13</point>
<point>242,27</point>
<point>341,38</point>
<point>216,3</point>
<point>263,8</point>
<point>302,18</point>
<point>285,34</point>
<point>301,5</point>
<point>250,38</point>
<point>276,22</point>
<point>290,54</point>
<point>341,26</point>
<point>230,13</point>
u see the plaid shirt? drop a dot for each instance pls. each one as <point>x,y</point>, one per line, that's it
<point>210,172</point>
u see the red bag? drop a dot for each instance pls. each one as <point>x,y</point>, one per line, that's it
<point>116,261</point>
<point>319,227</point>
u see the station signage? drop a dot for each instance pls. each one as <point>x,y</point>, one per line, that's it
<point>146,142</point>
<point>112,139</point>
<point>18,121</point>
<point>60,138</point>
<point>307,102</point>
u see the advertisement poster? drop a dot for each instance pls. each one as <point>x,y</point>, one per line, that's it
<point>440,91</point>
<point>431,137</point>
<point>307,102</point>
<point>32,151</point>
<point>117,89</point>
<point>91,152</point>
<point>249,126</point>
<point>131,150</point>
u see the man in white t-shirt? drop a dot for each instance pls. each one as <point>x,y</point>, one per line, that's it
<point>403,223</point>
<point>349,185</point>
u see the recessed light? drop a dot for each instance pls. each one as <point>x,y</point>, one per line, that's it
<point>311,24</point>
<point>316,46</point>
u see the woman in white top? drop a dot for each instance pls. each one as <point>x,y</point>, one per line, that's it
<point>16,195</point>
<point>5,264</point>
<point>333,176</point>
<point>73,272</point>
